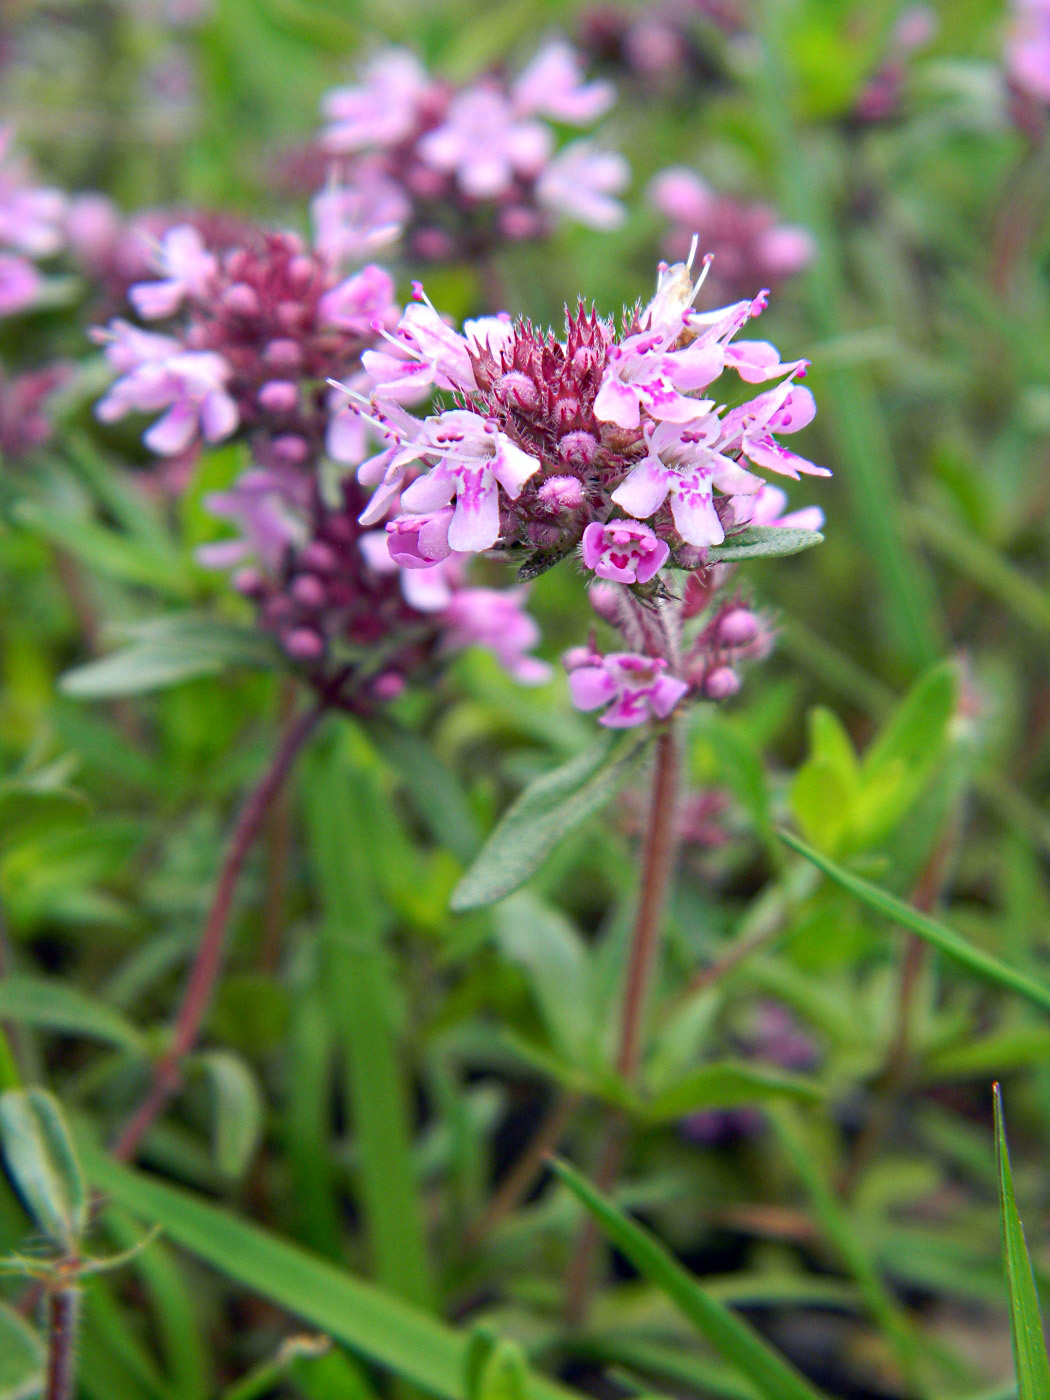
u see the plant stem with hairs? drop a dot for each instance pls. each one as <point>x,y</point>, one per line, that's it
<point>658,852</point>
<point>63,1312</point>
<point>208,962</point>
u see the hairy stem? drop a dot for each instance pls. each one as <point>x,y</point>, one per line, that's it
<point>208,962</point>
<point>658,852</point>
<point>63,1310</point>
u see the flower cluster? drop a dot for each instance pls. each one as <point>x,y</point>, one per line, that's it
<point>615,442</point>
<point>880,97</point>
<point>343,612</point>
<point>257,332</point>
<point>31,228</point>
<point>749,246</point>
<point>25,422</point>
<point>466,169</point>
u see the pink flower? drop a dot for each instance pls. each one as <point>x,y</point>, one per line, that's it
<point>357,303</point>
<point>623,551</point>
<point>351,221</point>
<point>580,182</point>
<point>1027,50</point>
<point>191,386</point>
<point>496,619</point>
<point>552,86</point>
<point>20,284</point>
<point>383,109</point>
<point>474,460</point>
<point>750,429</point>
<point>260,503</point>
<point>634,688</point>
<point>188,268</point>
<point>485,144</point>
<point>766,507</point>
<point>682,463</point>
<point>643,374</point>
<point>420,541</point>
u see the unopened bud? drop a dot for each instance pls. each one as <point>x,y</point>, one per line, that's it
<point>309,591</point>
<point>721,683</point>
<point>303,644</point>
<point>737,627</point>
<point>278,396</point>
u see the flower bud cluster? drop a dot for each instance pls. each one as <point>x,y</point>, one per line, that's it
<point>358,628</point>
<point>466,169</point>
<point>256,332</point>
<point>611,441</point>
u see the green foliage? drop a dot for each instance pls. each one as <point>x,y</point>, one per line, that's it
<point>548,808</point>
<point>1026,1323</point>
<point>764,542</point>
<point>167,651</point>
<point>43,1166</point>
<point>21,1357</point>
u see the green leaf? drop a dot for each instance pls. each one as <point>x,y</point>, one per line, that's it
<point>42,1164</point>
<point>21,1357</point>
<point>1026,1324</point>
<point>540,816</point>
<point>167,651</point>
<point>116,555</point>
<point>237,1113</point>
<point>822,802</point>
<point>763,542</point>
<point>495,1369</point>
<point>344,807</point>
<point>975,960</point>
<point>730,1085</point>
<point>544,944</point>
<point>730,1335</point>
<point>28,810</point>
<point>364,1318</point>
<point>60,1006</point>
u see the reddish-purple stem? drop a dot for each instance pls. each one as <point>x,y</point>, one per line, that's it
<point>208,962</point>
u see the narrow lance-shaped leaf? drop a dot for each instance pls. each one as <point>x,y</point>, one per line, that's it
<point>43,1165</point>
<point>21,1357</point>
<point>763,542</point>
<point>237,1111</point>
<point>538,819</point>
<point>731,1336</point>
<point>371,1322</point>
<point>975,960</point>
<point>166,652</point>
<point>1026,1324</point>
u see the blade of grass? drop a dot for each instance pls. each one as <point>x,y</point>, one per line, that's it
<point>734,1339</point>
<point>1026,1324</point>
<point>975,960</point>
<point>372,1323</point>
<point>342,835</point>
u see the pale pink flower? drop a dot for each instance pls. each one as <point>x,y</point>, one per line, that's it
<point>191,386</point>
<point>380,111</point>
<point>266,507</point>
<point>766,507</point>
<point>20,284</point>
<point>496,620</point>
<point>350,222</point>
<point>581,180</point>
<point>1027,49</point>
<point>623,551</point>
<point>474,460</point>
<point>635,689</point>
<point>552,86</point>
<point>187,269</point>
<point>485,144</point>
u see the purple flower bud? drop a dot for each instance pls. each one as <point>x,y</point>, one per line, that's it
<point>241,299</point>
<point>605,602</point>
<point>291,448</point>
<point>561,493</point>
<point>278,396</point>
<point>517,388</point>
<point>282,354</point>
<point>319,556</point>
<point>303,644</point>
<point>721,683</point>
<point>309,590</point>
<point>737,627</point>
<point>388,686</point>
<point>250,582</point>
<point>578,448</point>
